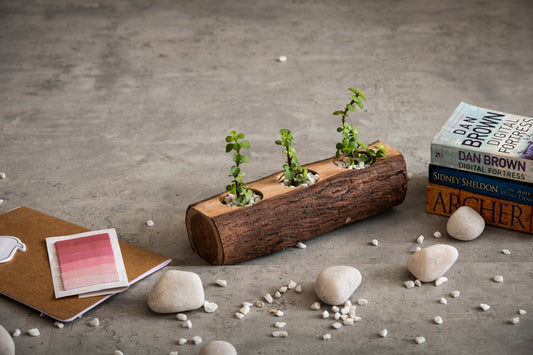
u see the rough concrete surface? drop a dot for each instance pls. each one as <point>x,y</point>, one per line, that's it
<point>115,112</point>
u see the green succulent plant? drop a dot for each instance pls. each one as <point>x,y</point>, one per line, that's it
<point>294,172</point>
<point>349,146</point>
<point>235,142</point>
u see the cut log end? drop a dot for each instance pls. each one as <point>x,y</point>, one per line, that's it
<point>206,241</point>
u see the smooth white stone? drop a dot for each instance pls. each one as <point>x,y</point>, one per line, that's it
<point>335,284</point>
<point>7,345</point>
<point>465,224</point>
<point>177,291</point>
<point>218,347</point>
<point>430,263</point>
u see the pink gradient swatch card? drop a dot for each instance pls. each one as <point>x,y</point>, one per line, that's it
<point>86,264</point>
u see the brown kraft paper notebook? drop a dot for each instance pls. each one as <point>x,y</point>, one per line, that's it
<point>27,277</point>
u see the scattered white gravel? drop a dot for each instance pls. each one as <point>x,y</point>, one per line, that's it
<point>522,311</point>
<point>182,317</point>
<point>374,242</point>
<point>418,283</point>
<point>485,307</point>
<point>498,278</point>
<point>438,320</point>
<point>222,283</point>
<point>514,320</point>
<point>59,325</point>
<point>187,324</point>
<point>34,332</point>
<point>231,200</point>
<point>298,289</point>
<point>437,234</point>
<point>326,336</point>
<point>239,315</point>
<point>300,245</point>
<point>443,301</point>
<point>277,294</point>
<point>362,301</point>
<point>283,289</point>
<point>506,251</point>
<point>118,352</point>
<point>292,285</point>
<point>268,298</point>
<point>441,280</point>
<point>95,322</point>
<point>150,223</point>
<point>16,333</point>
<point>420,340</point>
<point>383,333</point>
<point>280,324</point>
<point>197,340</point>
<point>182,341</point>
<point>210,307</point>
<point>325,314</point>
<point>315,306</point>
<point>280,334</point>
<point>336,325</point>
<point>420,239</point>
<point>455,293</point>
<point>409,284</point>
<point>282,59</point>
<point>3,176</point>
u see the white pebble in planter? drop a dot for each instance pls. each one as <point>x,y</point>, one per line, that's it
<point>335,284</point>
<point>465,224</point>
<point>430,263</point>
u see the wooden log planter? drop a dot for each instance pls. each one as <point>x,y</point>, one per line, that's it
<point>286,215</point>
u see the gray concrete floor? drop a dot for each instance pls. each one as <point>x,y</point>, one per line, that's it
<point>115,112</point>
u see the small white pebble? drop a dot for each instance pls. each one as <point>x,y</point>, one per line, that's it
<point>173,353</point>
<point>2,176</point>
<point>348,321</point>
<point>118,352</point>
<point>345,310</point>
<point>522,311</point>
<point>336,325</point>
<point>485,307</point>
<point>455,293</point>
<point>16,333</point>
<point>280,324</point>
<point>362,301</point>
<point>441,280</point>
<point>95,322</point>
<point>259,304</point>
<point>182,317</point>
<point>277,294</point>
<point>315,306</point>
<point>383,333</point>
<point>438,320</point>
<point>245,309</point>
<point>300,245</point>
<point>357,319</point>
<point>59,325</point>
<point>283,289</point>
<point>298,289</point>
<point>239,315</point>
<point>514,320</point>
<point>292,284</point>
<point>182,341</point>
<point>279,314</point>
<point>268,298</point>
<point>280,334</point>
<point>34,332</point>
<point>210,307</point>
<point>335,309</point>
<point>348,303</point>
<point>197,339</point>
<point>506,251</point>
<point>325,314</point>
<point>437,234</point>
<point>443,301</point>
<point>420,340</point>
<point>374,242</point>
<point>186,324</point>
<point>420,239</point>
<point>1,201</point>
<point>222,283</point>
<point>337,316</point>
<point>150,223</point>
<point>282,58</point>
<point>326,336</point>
<point>409,284</point>
<point>498,279</point>
<point>418,283</point>
<point>417,248</point>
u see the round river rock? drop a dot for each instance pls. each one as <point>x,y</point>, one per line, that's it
<point>7,345</point>
<point>218,347</point>
<point>335,284</point>
<point>430,263</point>
<point>465,224</point>
<point>177,291</point>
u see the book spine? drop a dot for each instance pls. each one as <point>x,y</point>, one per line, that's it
<point>504,189</point>
<point>484,163</point>
<point>443,200</point>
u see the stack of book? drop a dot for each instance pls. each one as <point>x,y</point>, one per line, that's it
<point>484,159</point>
